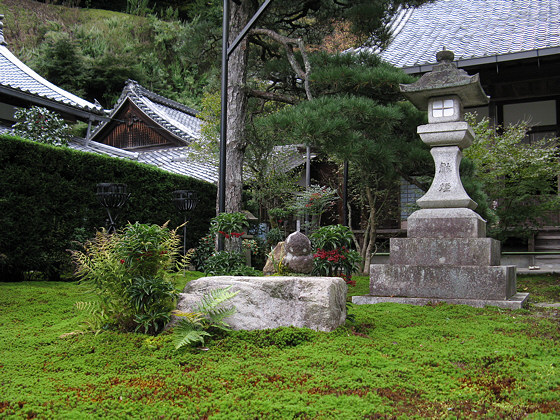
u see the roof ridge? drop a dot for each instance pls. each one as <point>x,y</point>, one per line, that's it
<point>138,89</point>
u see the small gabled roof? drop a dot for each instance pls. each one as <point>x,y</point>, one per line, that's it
<point>477,31</point>
<point>18,80</point>
<point>177,119</point>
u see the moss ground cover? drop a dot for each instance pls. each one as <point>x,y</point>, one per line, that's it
<point>396,361</point>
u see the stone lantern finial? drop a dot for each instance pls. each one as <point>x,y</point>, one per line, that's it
<point>445,56</point>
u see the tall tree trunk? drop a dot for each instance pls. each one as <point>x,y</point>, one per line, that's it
<point>237,106</point>
<point>236,112</point>
<point>370,231</point>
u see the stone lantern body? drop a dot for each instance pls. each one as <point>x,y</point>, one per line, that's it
<point>446,255</point>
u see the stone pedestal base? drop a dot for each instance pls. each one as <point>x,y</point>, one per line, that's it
<point>443,282</point>
<point>463,270</point>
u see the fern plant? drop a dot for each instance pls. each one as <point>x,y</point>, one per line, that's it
<point>127,273</point>
<point>208,313</point>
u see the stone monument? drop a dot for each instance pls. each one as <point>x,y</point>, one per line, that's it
<point>446,255</point>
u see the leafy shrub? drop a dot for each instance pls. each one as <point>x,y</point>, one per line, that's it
<point>48,201</point>
<point>126,272</point>
<point>333,256</point>
<point>41,125</point>
<point>209,313</point>
<point>314,201</point>
<point>274,236</point>
<point>203,251</point>
<point>227,263</point>
<point>231,226</point>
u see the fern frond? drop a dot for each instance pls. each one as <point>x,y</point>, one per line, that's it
<point>217,317</point>
<point>97,317</point>
<point>215,298</point>
<point>89,307</point>
<point>186,334</point>
<point>194,318</point>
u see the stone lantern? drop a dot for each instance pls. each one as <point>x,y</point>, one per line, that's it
<point>446,255</point>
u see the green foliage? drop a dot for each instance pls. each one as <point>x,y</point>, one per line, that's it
<point>519,178</point>
<point>138,7</point>
<point>315,200</point>
<point>152,299</point>
<point>149,249</point>
<point>273,236</point>
<point>357,116</point>
<point>205,248</point>
<point>331,237</point>
<point>49,201</point>
<point>208,313</point>
<point>333,256</point>
<point>126,273</point>
<point>229,224</point>
<point>228,263</point>
<point>60,60</point>
<point>396,361</point>
<point>41,125</point>
<point>282,337</point>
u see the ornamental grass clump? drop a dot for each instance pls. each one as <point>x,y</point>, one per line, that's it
<point>127,274</point>
<point>333,255</point>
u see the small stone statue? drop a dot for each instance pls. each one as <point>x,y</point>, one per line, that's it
<point>299,258</point>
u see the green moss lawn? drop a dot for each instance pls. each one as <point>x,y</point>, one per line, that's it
<point>396,361</point>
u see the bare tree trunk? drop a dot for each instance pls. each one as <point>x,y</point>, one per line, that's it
<point>236,113</point>
<point>237,107</point>
<point>370,231</point>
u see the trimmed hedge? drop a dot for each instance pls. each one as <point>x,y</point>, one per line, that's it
<point>48,201</point>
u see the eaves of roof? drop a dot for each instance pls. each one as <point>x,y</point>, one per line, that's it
<point>177,160</point>
<point>471,62</point>
<point>17,79</point>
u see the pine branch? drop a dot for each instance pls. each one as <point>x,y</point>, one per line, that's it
<point>289,44</point>
<point>272,96</point>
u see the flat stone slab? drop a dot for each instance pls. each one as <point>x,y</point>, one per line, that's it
<point>446,223</point>
<point>445,252</point>
<point>517,301</point>
<point>318,303</point>
<point>453,282</point>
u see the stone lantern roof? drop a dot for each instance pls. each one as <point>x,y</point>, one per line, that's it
<point>445,80</point>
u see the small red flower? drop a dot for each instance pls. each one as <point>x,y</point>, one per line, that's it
<point>122,261</point>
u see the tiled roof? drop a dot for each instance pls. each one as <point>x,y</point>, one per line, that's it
<point>177,160</point>
<point>16,76</point>
<point>176,118</point>
<point>475,30</point>
<point>181,160</point>
<point>102,149</point>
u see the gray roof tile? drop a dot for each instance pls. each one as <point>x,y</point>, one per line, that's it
<point>473,29</point>
<point>178,160</point>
